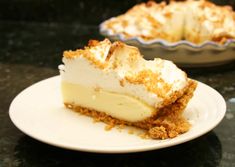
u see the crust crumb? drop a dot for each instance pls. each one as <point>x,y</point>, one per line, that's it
<point>131,131</point>
<point>93,43</point>
<point>145,135</point>
<point>108,127</point>
<point>122,82</point>
<point>97,89</point>
<point>158,133</point>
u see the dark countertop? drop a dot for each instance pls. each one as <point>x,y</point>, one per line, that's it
<point>30,52</point>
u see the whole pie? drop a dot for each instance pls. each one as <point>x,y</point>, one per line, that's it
<point>113,83</point>
<point>191,20</point>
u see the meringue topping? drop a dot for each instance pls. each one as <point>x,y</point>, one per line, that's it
<point>119,68</point>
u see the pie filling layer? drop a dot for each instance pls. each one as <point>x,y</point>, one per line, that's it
<point>118,106</point>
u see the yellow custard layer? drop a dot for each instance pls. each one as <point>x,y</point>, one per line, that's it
<point>118,106</point>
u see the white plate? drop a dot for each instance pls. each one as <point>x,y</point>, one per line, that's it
<point>38,111</point>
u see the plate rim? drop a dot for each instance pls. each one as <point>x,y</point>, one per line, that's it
<point>139,148</point>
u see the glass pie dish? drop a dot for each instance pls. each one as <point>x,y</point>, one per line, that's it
<point>189,33</point>
<point>183,52</point>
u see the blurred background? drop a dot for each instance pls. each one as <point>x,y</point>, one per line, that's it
<point>73,11</point>
<point>37,32</point>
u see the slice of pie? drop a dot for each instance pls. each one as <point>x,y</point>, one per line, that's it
<point>111,82</point>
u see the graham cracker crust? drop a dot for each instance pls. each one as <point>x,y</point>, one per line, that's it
<point>167,123</point>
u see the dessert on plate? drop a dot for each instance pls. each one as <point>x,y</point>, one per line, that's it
<point>113,83</point>
<point>191,20</point>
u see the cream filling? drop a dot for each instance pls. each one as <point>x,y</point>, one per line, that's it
<point>119,106</point>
